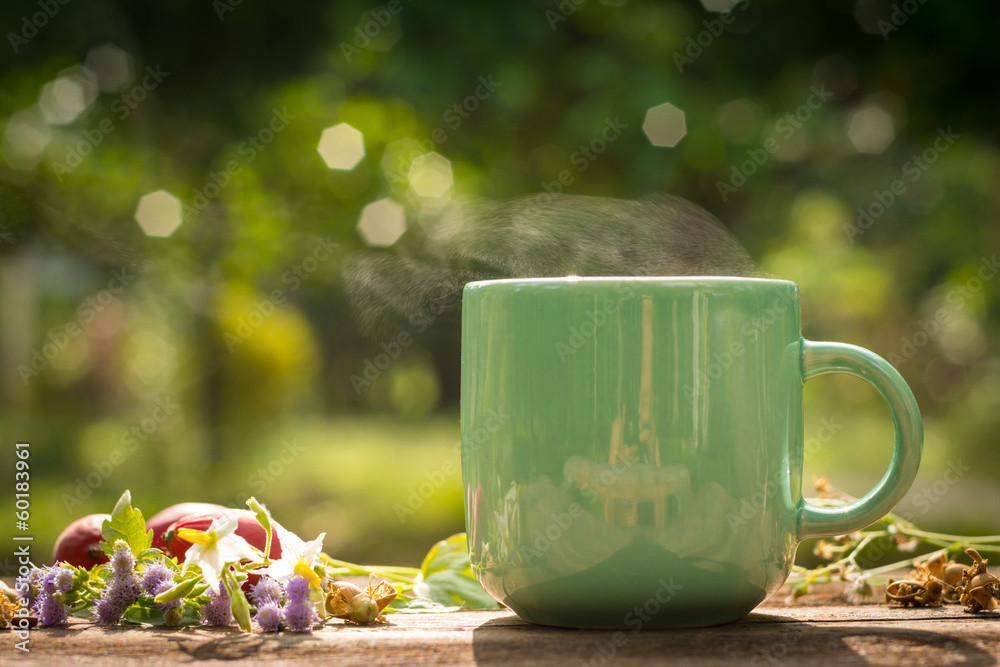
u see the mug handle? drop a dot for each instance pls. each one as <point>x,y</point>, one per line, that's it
<point>820,358</point>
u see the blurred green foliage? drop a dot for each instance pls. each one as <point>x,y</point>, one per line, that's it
<point>229,68</point>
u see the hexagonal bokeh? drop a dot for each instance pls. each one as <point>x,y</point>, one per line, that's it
<point>159,213</point>
<point>718,5</point>
<point>24,139</point>
<point>382,223</point>
<point>430,175</point>
<point>341,146</point>
<point>64,99</point>
<point>112,65</point>
<point>871,129</point>
<point>870,13</point>
<point>835,74</point>
<point>664,125</point>
<point>739,120</point>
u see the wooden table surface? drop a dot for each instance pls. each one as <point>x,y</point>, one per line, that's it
<point>818,629</point>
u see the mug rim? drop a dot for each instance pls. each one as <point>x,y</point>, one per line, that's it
<point>647,280</point>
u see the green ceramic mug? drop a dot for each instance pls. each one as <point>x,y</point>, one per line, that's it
<point>632,447</point>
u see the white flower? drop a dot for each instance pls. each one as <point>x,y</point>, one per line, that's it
<point>297,557</point>
<point>214,548</point>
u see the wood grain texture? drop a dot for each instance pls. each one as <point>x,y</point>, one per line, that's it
<point>819,629</point>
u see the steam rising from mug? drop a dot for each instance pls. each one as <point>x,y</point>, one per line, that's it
<point>523,238</point>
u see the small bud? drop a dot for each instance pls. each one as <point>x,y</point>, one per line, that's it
<point>240,606</point>
<point>177,592</point>
<point>174,616</point>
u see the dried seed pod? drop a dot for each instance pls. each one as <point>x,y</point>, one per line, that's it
<point>351,603</point>
<point>952,574</point>
<point>981,589</point>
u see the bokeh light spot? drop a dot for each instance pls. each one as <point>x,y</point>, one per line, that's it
<point>664,125</point>
<point>718,5</point>
<point>64,99</point>
<point>24,139</point>
<point>871,130</point>
<point>382,223</point>
<point>739,120</point>
<point>111,65</point>
<point>836,74</point>
<point>430,175</point>
<point>341,146</point>
<point>159,213</point>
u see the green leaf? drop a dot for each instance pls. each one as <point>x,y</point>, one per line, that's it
<point>446,577</point>
<point>81,611</point>
<point>126,523</point>
<point>405,605</point>
<point>149,554</point>
<point>450,587</point>
<point>143,614</point>
<point>449,554</point>
<point>191,616</point>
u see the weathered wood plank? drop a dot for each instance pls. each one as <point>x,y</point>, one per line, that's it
<point>817,630</point>
<point>793,636</point>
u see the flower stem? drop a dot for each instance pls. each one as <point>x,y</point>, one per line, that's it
<point>915,532</point>
<point>394,572</point>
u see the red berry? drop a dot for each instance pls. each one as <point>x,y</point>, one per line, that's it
<point>79,543</point>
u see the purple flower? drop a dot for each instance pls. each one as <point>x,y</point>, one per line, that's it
<point>122,561</point>
<point>35,585</point>
<point>64,579</point>
<point>50,611</point>
<point>153,576</point>
<point>122,591</point>
<point>269,617</point>
<point>299,611</point>
<point>156,579</point>
<point>217,612</point>
<point>264,591</point>
<point>297,590</point>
